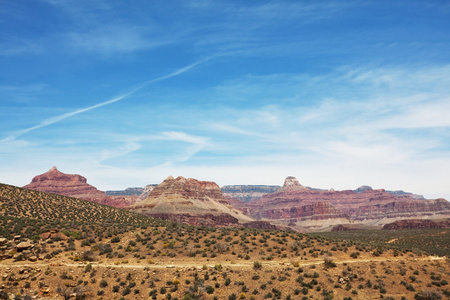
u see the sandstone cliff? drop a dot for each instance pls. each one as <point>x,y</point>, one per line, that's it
<point>190,201</point>
<point>297,205</point>
<point>74,185</point>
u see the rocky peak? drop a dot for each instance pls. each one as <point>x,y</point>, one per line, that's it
<point>190,201</point>
<point>291,184</point>
<point>54,174</point>
<point>73,185</point>
<point>189,188</point>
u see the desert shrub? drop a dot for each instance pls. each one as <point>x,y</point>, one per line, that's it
<point>232,297</point>
<point>209,289</point>
<point>88,268</point>
<point>126,291</point>
<point>227,281</point>
<point>88,255</point>
<point>427,295</point>
<point>257,265</point>
<point>103,283</point>
<point>329,263</point>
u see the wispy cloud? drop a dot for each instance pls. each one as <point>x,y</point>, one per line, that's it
<point>113,39</point>
<point>59,118</point>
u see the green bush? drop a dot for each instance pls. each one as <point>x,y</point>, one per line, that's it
<point>209,289</point>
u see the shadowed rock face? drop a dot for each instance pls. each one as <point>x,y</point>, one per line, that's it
<point>298,203</point>
<point>74,185</point>
<point>190,201</point>
<point>416,224</point>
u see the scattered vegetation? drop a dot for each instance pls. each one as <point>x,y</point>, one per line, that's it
<point>166,260</point>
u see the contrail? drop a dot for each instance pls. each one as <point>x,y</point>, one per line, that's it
<point>56,119</point>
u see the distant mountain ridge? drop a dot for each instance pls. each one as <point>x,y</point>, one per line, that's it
<point>244,193</point>
<point>133,191</point>
<point>301,207</point>
<point>248,193</point>
<point>291,205</point>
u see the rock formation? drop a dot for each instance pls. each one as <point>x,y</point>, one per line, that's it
<point>297,205</point>
<point>54,234</point>
<point>74,185</point>
<point>247,193</point>
<point>190,201</point>
<point>416,224</point>
<point>146,190</point>
<point>364,188</point>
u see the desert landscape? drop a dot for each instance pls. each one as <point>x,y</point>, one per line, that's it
<point>186,240</point>
<point>224,150</point>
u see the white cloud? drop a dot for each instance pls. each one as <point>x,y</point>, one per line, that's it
<point>383,139</point>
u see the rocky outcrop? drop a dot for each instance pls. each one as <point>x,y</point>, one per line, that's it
<point>74,185</point>
<point>190,201</point>
<point>22,246</point>
<point>54,234</point>
<point>315,209</point>
<point>146,191</point>
<point>18,249</point>
<point>416,224</point>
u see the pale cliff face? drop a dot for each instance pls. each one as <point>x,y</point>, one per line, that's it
<point>190,198</point>
<point>291,184</point>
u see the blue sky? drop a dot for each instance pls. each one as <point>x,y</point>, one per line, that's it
<point>337,93</point>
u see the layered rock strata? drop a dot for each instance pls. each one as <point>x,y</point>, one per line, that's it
<point>74,185</point>
<point>296,204</point>
<point>190,201</point>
